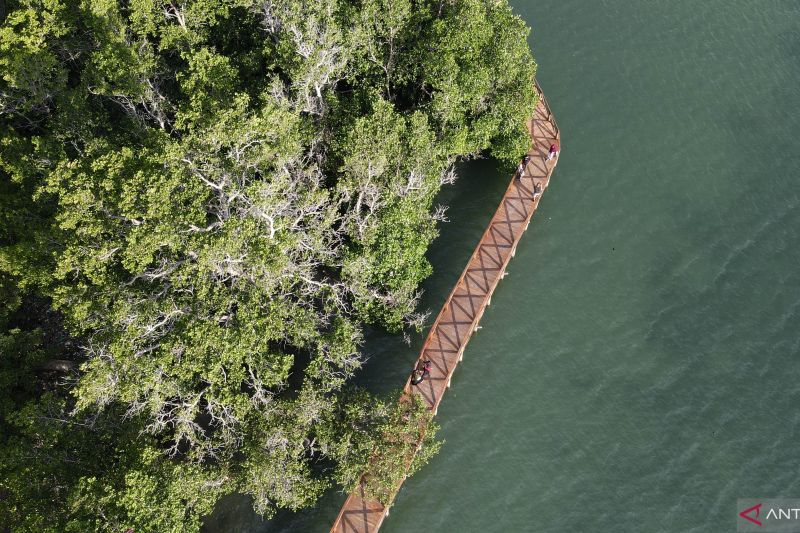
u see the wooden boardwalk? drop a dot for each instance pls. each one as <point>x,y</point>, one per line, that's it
<point>464,307</point>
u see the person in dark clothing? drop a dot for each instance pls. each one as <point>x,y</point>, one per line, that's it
<point>422,371</point>
<point>522,166</point>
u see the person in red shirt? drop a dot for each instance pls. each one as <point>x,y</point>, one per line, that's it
<point>553,151</point>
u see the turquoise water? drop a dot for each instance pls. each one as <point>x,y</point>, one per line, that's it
<point>638,369</point>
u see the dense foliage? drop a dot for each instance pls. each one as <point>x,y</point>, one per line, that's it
<point>401,440</point>
<point>202,205</point>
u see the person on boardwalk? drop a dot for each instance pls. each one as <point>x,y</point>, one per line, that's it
<point>537,190</point>
<point>553,151</point>
<point>522,166</point>
<point>422,371</point>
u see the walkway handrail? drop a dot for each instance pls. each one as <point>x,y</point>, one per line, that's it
<point>547,106</point>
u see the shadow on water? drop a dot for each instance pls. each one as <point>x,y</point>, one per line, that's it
<point>472,201</point>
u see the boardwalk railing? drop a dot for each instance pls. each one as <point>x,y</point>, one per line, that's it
<point>464,307</point>
<point>550,116</point>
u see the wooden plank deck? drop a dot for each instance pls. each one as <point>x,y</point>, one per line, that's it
<point>464,307</point>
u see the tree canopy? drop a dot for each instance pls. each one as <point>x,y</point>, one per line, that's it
<point>202,205</point>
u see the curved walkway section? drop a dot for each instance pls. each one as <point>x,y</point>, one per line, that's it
<point>462,311</point>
